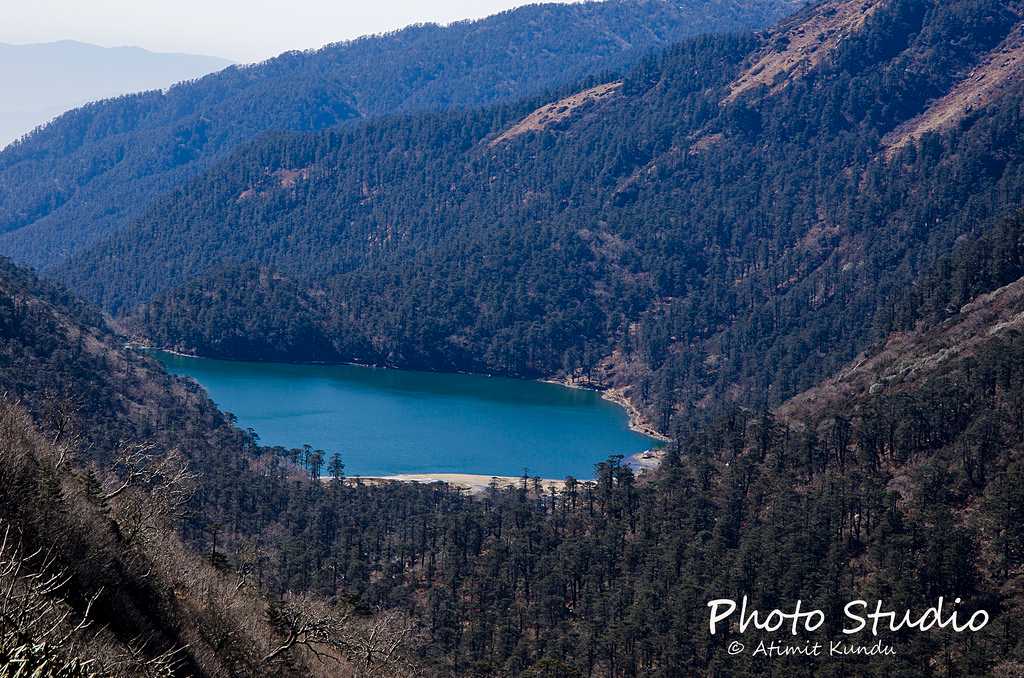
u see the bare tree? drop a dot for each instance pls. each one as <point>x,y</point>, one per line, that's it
<point>307,623</point>
<point>134,660</point>
<point>36,626</point>
<point>42,634</point>
<point>140,465</point>
<point>149,490</point>
<point>375,646</point>
<point>380,645</point>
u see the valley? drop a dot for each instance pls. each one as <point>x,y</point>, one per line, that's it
<point>784,244</point>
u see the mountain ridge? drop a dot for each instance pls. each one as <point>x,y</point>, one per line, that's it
<point>89,173</point>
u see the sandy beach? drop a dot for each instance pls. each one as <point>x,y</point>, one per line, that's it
<point>476,484</point>
<point>641,462</point>
<point>637,421</point>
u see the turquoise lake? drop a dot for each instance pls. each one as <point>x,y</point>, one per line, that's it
<point>386,422</point>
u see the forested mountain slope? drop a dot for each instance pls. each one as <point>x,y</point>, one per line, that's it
<point>732,221</point>
<point>96,167</point>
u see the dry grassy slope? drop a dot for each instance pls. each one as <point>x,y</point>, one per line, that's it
<point>798,45</point>
<point>998,71</point>
<point>209,622</point>
<point>557,112</point>
<point>803,42</point>
<point>908,357</point>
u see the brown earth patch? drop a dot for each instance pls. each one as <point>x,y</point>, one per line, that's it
<point>801,45</point>
<point>287,178</point>
<point>283,178</point>
<point>552,114</point>
<point>705,142</point>
<point>999,70</point>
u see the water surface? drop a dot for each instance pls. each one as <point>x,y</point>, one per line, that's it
<point>386,422</point>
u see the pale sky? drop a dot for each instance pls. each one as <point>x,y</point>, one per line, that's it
<point>241,30</point>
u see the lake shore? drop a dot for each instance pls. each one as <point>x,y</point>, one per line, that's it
<point>130,346</point>
<point>641,462</point>
<point>638,423</point>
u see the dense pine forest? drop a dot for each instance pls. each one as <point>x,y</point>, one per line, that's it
<point>90,172</point>
<point>800,252</point>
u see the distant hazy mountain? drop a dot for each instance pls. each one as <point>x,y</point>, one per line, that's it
<point>42,81</point>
